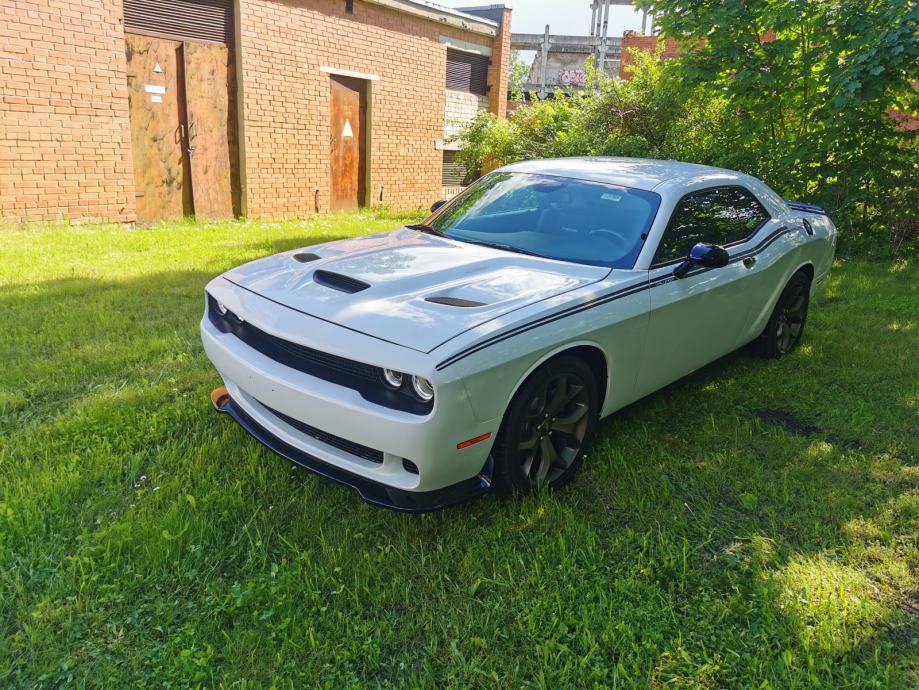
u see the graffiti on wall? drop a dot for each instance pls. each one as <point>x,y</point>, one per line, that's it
<point>572,77</point>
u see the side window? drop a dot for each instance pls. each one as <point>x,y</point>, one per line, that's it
<point>721,215</point>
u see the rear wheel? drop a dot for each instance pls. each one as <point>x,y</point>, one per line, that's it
<point>785,327</point>
<point>547,427</point>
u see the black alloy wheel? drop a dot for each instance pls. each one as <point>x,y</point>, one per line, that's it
<point>785,327</point>
<point>547,427</point>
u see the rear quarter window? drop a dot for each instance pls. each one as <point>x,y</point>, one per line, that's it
<point>720,215</point>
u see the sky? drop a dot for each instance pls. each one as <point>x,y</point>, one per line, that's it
<point>563,16</point>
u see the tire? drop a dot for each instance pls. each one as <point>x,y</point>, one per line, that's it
<point>785,326</point>
<point>547,427</point>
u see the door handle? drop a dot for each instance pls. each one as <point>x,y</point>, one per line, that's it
<point>749,261</point>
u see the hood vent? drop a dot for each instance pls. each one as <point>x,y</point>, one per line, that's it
<point>454,302</point>
<point>337,281</point>
<point>306,257</point>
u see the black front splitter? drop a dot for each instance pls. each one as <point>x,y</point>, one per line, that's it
<point>371,491</point>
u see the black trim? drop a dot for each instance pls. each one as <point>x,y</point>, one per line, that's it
<point>806,208</point>
<point>570,311</point>
<point>366,379</point>
<point>369,490</point>
<point>350,447</point>
<point>633,289</point>
<point>735,243</point>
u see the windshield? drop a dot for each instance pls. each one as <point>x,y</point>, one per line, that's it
<point>552,217</point>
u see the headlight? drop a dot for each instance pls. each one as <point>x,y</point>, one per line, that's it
<point>423,388</point>
<point>221,308</point>
<point>393,378</point>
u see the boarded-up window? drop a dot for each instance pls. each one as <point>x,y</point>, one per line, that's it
<point>454,172</point>
<point>184,20</point>
<point>467,71</point>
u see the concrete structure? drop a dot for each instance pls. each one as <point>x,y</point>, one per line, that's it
<point>559,61</point>
<point>66,127</point>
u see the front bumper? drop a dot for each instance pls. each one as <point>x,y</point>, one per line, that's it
<point>369,490</point>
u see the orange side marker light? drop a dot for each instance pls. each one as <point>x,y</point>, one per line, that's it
<point>473,441</point>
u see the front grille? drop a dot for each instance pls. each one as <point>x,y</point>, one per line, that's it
<point>319,364</point>
<point>329,439</point>
<point>366,379</point>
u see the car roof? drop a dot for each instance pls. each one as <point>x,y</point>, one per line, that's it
<point>638,173</point>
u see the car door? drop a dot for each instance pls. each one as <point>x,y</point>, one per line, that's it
<point>706,314</point>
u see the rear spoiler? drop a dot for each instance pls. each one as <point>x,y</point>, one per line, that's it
<point>806,208</point>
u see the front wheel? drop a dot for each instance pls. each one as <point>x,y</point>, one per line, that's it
<point>547,427</point>
<point>785,327</point>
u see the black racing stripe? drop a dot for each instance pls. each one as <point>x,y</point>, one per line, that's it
<point>541,322</point>
<point>603,299</point>
<point>746,254</point>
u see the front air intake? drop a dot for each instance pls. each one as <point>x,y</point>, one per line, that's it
<point>337,281</point>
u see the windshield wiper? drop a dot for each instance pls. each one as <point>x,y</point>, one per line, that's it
<point>503,247</point>
<point>427,229</point>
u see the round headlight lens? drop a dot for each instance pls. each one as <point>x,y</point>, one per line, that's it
<point>423,388</point>
<point>393,378</point>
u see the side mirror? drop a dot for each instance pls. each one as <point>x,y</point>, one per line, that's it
<point>705,255</point>
<point>437,204</point>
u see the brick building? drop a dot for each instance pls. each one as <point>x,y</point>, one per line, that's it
<point>130,110</point>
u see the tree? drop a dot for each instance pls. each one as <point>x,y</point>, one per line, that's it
<point>810,84</point>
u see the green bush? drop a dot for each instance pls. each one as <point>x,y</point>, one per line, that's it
<point>651,115</point>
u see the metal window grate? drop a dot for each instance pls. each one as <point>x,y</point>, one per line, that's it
<point>467,72</point>
<point>454,172</point>
<point>192,20</point>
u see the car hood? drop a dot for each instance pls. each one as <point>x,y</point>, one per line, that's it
<point>409,288</point>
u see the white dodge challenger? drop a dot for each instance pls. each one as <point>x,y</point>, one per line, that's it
<point>478,350</point>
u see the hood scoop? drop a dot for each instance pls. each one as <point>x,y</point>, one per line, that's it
<point>454,302</point>
<point>306,257</point>
<point>339,282</point>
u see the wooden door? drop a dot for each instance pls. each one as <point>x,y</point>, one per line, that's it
<point>207,89</point>
<point>348,108</point>
<point>158,143</point>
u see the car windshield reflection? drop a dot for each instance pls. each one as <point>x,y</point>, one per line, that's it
<point>552,217</point>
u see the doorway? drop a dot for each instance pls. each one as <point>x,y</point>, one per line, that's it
<point>183,134</point>
<point>348,119</point>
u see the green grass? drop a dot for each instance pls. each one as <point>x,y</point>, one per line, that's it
<point>754,525</point>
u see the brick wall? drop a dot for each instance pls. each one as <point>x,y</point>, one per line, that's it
<point>647,44</point>
<point>500,69</point>
<point>286,100</point>
<point>65,150</point>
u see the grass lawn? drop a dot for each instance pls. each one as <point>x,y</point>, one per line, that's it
<point>754,525</point>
